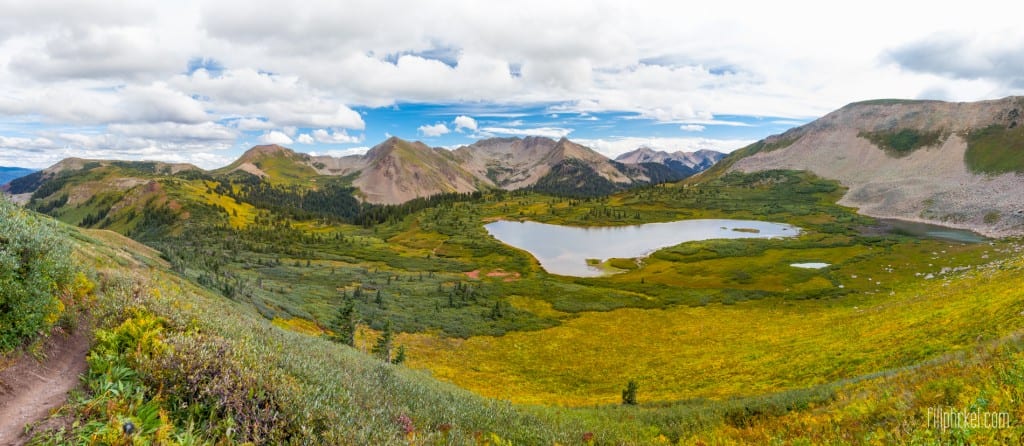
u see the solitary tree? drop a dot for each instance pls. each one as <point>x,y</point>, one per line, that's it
<point>400,355</point>
<point>384,343</point>
<point>629,393</point>
<point>345,324</point>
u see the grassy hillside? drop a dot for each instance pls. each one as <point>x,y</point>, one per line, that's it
<point>249,280</point>
<point>996,149</point>
<point>269,384</point>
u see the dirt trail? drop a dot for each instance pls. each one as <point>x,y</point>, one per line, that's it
<point>30,389</point>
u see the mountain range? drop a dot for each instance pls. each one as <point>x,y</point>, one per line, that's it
<point>954,164</point>
<point>396,171</point>
<point>9,173</point>
<point>686,163</point>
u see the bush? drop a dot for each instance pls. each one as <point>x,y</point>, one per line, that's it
<point>629,393</point>
<point>35,269</point>
<point>900,143</point>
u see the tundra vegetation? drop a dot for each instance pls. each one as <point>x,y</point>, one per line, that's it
<point>269,316</point>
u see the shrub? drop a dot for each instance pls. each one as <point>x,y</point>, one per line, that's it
<point>629,393</point>
<point>900,143</point>
<point>35,270</point>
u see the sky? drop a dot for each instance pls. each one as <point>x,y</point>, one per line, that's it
<point>201,82</point>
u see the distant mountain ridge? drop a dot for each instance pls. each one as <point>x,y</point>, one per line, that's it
<point>9,173</point>
<point>955,164</point>
<point>138,196</point>
<point>396,171</point>
<point>684,163</point>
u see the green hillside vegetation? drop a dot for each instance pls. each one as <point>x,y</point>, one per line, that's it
<point>995,150</point>
<point>40,286</point>
<point>574,178</point>
<point>902,142</point>
<point>741,347</point>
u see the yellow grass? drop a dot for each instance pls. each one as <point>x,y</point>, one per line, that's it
<point>299,325</point>
<point>721,351</point>
<point>240,214</point>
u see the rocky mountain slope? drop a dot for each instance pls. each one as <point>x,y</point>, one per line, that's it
<point>684,163</point>
<point>396,171</point>
<point>956,164</point>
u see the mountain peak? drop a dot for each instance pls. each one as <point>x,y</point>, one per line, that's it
<point>683,162</point>
<point>261,151</point>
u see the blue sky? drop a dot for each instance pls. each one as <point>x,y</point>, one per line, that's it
<point>200,82</point>
<point>454,125</point>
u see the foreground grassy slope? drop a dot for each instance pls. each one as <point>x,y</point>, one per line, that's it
<point>190,367</point>
<point>275,385</point>
<point>736,336</point>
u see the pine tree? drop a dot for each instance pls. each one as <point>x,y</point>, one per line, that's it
<point>497,312</point>
<point>629,393</point>
<point>400,355</point>
<point>383,348</point>
<point>379,300</point>
<point>345,324</point>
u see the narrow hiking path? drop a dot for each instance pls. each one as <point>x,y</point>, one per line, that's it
<point>31,389</point>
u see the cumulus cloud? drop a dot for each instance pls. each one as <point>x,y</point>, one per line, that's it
<point>207,131</point>
<point>549,132</point>
<point>963,57</point>
<point>275,137</point>
<point>312,65</point>
<point>305,139</point>
<point>40,152</point>
<point>463,122</point>
<point>434,130</point>
<point>335,137</point>
<point>97,53</point>
<point>130,104</point>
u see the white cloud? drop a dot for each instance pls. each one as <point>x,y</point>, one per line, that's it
<point>42,152</point>
<point>335,137</point>
<point>691,128</point>
<point>171,131</point>
<point>706,122</point>
<point>549,132</point>
<point>305,139</point>
<point>275,137</point>
<point>464,122</point>
<point>130,104</point>
<point>312,64</point>
<point>338,153</point>
<point>246,124</point>
<point>98,53</point>
<point>435,130</point>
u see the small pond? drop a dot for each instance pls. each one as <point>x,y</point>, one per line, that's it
<point>925,230</point>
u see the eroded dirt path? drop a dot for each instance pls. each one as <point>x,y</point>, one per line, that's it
<point>30,389</point>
